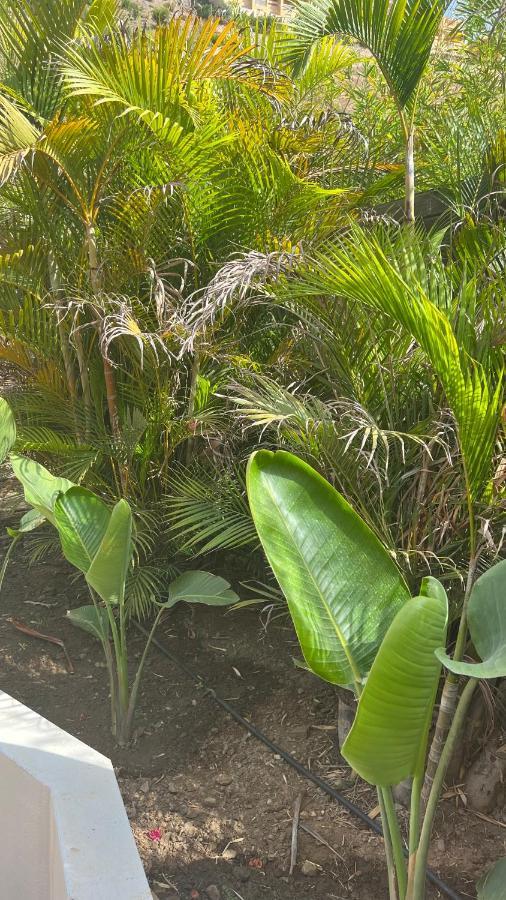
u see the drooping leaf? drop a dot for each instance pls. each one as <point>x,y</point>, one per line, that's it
<point>342,587</point>
<point>486,615</point>
<point>89,618</point>
<point>492,885</point>
<point>7,429</point>
<point>388,738</point>
<point>108,571</point>
<point>41,489</point>
<point>81,519</point>
<point>31,520</point>
<point>201,587</point>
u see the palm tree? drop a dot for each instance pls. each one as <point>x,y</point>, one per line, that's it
<point>398,33</point>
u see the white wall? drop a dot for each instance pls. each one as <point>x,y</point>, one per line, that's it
<point>64,832</point>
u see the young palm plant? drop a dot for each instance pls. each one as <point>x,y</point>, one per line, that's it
<point>398,34</point>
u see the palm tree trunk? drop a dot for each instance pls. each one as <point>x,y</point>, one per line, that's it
<point>409,204</point>
<point>54,282</point>
<point>109,376</point>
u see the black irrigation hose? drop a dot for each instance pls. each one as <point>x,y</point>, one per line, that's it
<point>294,763</point>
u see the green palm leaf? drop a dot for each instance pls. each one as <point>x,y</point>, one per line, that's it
<point>399,34</point>
<point>360,269</point>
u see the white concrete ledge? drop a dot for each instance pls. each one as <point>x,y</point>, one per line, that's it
<point>64,832</point>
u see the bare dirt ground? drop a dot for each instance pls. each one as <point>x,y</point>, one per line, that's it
<point>211,807</point>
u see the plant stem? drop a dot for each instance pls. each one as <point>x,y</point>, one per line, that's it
<point>194,378</point>
<point>392,886</point>
<point>109,376</point>
<point>414,832</point>
<point>138,675</point>
<point>396,839</point>
<point>446,755</point>
<point>449,694</point>
<point>409,204</point>
<point>6,558</point>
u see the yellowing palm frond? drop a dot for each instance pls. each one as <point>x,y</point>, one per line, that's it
<point>153,76</point>
<point>17,139</point>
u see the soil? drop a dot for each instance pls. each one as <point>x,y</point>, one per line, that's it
<point>221,801</point>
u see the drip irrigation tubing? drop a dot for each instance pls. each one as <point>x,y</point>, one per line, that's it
<point>288,758</point>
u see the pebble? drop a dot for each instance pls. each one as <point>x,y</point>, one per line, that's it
<point>172,787</point>
<point>229,853</point>
<point>144,787</point>
<point>210,801</point>
<point>224,780</point>
<point>212,892</point>
<point>309,868</point>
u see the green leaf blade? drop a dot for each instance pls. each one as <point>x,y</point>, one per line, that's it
<point>81,519</point>
<point>342,587</point>
<point>7,429</point>
<point>492,885</point>
<point>201,587</point>
<point>388,738</point>
<point>486,616</point>
<point>91,619</point>
<point>41,489</point>
<point>108,572</point>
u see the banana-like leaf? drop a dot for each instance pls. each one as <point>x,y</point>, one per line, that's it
<point>7,429</point>
<point>81,519</point>
<point>486,616</point>
<point>41,489</point>
<point>31,520</point>
<point>89,618</point>
<point>342,587</point>
<point>201,587</point>
<point>388,738</point>
<point>108,571</point>
<point>492,885</point>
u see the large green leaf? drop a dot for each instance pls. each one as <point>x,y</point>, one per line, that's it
<point>342,587</point>
<point>108,571</point>
<point>7,429</point>
<point>81,519</point>
<point>493,885</point>
<point>201,587</point>
<point>89,618</point>
<point>40,487</point>
<point>388,739</point>
<point>486,616</point>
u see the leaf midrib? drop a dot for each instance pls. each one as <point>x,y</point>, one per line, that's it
<point>349,656</point>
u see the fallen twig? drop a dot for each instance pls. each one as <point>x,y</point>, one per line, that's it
<point>31,632</point>
<point>314,834</point>
<point>295,832</point>
<point>488,818</point>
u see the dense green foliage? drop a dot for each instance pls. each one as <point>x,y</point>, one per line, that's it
<point>203,250</point>
<point>177,263</point>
